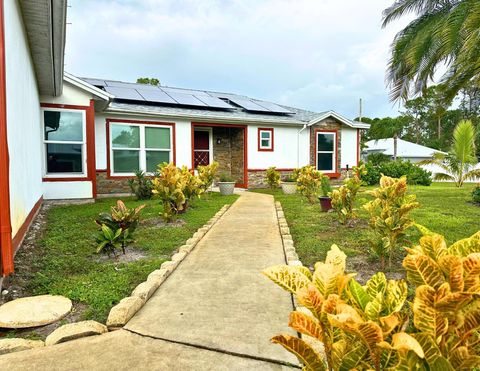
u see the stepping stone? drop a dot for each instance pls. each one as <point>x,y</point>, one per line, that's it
<point>34,311</point>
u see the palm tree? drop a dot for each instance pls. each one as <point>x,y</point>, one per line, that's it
<point>459,163</point>
<point>388,127</point>
<point>445,32</point>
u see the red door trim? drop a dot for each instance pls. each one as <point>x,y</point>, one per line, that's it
<point>335,173</point>
<point>145,122</point>
<point>245,145</point>
<point>6,250</point>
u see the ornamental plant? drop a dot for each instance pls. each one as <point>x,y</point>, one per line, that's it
<point>141,186</point>
<point>192,185</point>
<point>309,182</point>
<point>169,187</point>
<point>390,216</point>
<point>206,175</point>
<point>476,194</point>
<point>343,198</point>
<point>353,326</point>
<point>120,218</point>
<point>273,177</point>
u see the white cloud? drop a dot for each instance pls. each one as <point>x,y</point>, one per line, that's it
<point>315,54</point>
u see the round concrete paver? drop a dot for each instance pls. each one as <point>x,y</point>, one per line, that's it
<point>34,311</point>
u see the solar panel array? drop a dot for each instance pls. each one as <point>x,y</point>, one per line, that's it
<point>183,97</point>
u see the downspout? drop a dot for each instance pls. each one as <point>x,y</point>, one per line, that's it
<point>6,253</point>
<point>298,144</point>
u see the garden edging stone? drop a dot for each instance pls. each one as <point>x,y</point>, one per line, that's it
<point>18,344</point>
<point>72,331</point>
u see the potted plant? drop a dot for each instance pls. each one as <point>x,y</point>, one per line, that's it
<point>325,200</point>
<point>226,184</point>
<point>289,184</point>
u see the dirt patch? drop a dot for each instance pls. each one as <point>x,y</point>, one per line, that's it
<point>366,267</point>
<point>159,223</point>
<point>130,255</point>
<point>43,331</point>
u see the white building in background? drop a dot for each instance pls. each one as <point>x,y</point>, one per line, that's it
<point>406,150</point>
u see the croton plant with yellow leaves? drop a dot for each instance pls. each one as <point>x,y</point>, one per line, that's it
<point>348,326</point>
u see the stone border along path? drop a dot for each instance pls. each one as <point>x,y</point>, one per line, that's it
<point>216,311</point>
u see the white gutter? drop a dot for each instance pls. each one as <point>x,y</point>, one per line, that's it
<point>79,83</point>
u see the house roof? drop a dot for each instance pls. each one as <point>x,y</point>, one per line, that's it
<point>132,98</point>
<point>405,148</point>
<point>45,23</point>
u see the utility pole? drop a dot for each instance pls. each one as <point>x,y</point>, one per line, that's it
<point>360,110</point>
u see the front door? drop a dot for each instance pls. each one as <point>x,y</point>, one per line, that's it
<point>202,150</point>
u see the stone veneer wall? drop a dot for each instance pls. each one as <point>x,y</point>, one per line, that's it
<point>229,153</point>
<point>107,186</point>
<point>327,124</point>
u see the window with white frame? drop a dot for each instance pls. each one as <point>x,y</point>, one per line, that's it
<point>265,139</point>
<point>64,142</point>
<point>326,151</point>
<point>136,147</point>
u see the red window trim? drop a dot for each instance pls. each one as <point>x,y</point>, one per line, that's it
<point>335,173</point>
<point>90,145</point>
<point>245,145</point>
<point>144,122</point>
<point>271,140</point>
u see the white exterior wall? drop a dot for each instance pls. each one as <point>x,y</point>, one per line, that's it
<point>75,189</point>
<point>23,119</point>
<point>349,147</point>
<point>290,150</point>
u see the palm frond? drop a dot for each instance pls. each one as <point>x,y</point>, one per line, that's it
<point>444,177</point>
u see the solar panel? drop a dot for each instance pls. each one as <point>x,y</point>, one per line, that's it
<point>186,99</point>
<point>128,85</point>
<point>248,105</point>
<point>95,82</point>
<point>184,91</point>
<point>213,102</point>
<point>157,96</point>
<point>273,107</point>
<point>124,93</point>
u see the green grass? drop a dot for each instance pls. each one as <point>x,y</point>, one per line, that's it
<point>69,265</point>
<point>443,208</point>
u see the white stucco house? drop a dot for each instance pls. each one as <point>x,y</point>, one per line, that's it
<point>406,150</point>
<point>66,137</point>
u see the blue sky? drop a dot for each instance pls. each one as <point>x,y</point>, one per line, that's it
<point>313,54</point>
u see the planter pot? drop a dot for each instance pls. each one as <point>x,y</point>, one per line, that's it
<point>289,188</point>
<point>226,188</point>
<point>325,203</point>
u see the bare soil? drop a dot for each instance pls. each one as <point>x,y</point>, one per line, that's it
<point>160,223</point>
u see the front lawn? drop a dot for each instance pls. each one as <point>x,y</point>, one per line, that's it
<point>66,262</point>
<point>443,208</point>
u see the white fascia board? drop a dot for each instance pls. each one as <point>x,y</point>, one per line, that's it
<point>79,83</point>
<point>342,119</point>
<point>202,117</point>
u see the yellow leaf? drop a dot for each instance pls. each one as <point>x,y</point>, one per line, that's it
<point>311,298</point>
<point>404,342</point>
<point>388,323</point>
<point>422,270</point>
<point>453,267</point>
<point>425,317</point>
<point>337,258</point>
<point>306,325</point>
<point>287,277</point>
<point>304,352</point>
<point>471,268</point>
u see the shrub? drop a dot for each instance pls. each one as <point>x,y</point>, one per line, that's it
<point>207,174</point>
<point>326,187</point>
<point>225,177</point>
<point>309,182</point>
<point>122,219</point>
<point>290,178</point>
<point>343,198</point>
<point>273,177</point>
<point>378,158</point>
<point>395,169</point>
<point>169,187</point>
<point>192,184</point>
<point>389,216</point>
<point>141,186</point>
<point>476,194</point>
<point>351,326</point>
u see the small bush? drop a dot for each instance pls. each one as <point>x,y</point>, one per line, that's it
<point>343,198</point>
<point>309,182</point>
<point>225,177</point>
<point>476,194</point>
<point>326,187</point>
<point>141,186</point>
<point>273,177</point>
<point>396,169</point>
<point>169,188</point>
<point>117,227</point>
<point>192,184</point>
<point>378,158</point>
<point>207,174</point>
<point>389,216</point>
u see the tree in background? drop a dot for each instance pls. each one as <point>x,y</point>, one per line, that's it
<point>149,81</point>
<point>459,163</point>
<point>444,33</point>
<point>389,127</point>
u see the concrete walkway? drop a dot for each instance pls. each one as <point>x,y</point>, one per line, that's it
<point>215,312</point>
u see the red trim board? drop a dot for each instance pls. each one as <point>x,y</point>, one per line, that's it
<point>245,145</point>
<point>22,231</point>
<point>272,143</point>
<point>145,122</point>
<point>6,250</point>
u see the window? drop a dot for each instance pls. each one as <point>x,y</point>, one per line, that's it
<point>136,147</point>
<point>265,139</point>
<point>326,151</point>
<point>64,142</point>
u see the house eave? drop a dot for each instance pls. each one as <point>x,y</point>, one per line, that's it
<point>79,83</point>
<point>342,119</point>
<point>45,25</point>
